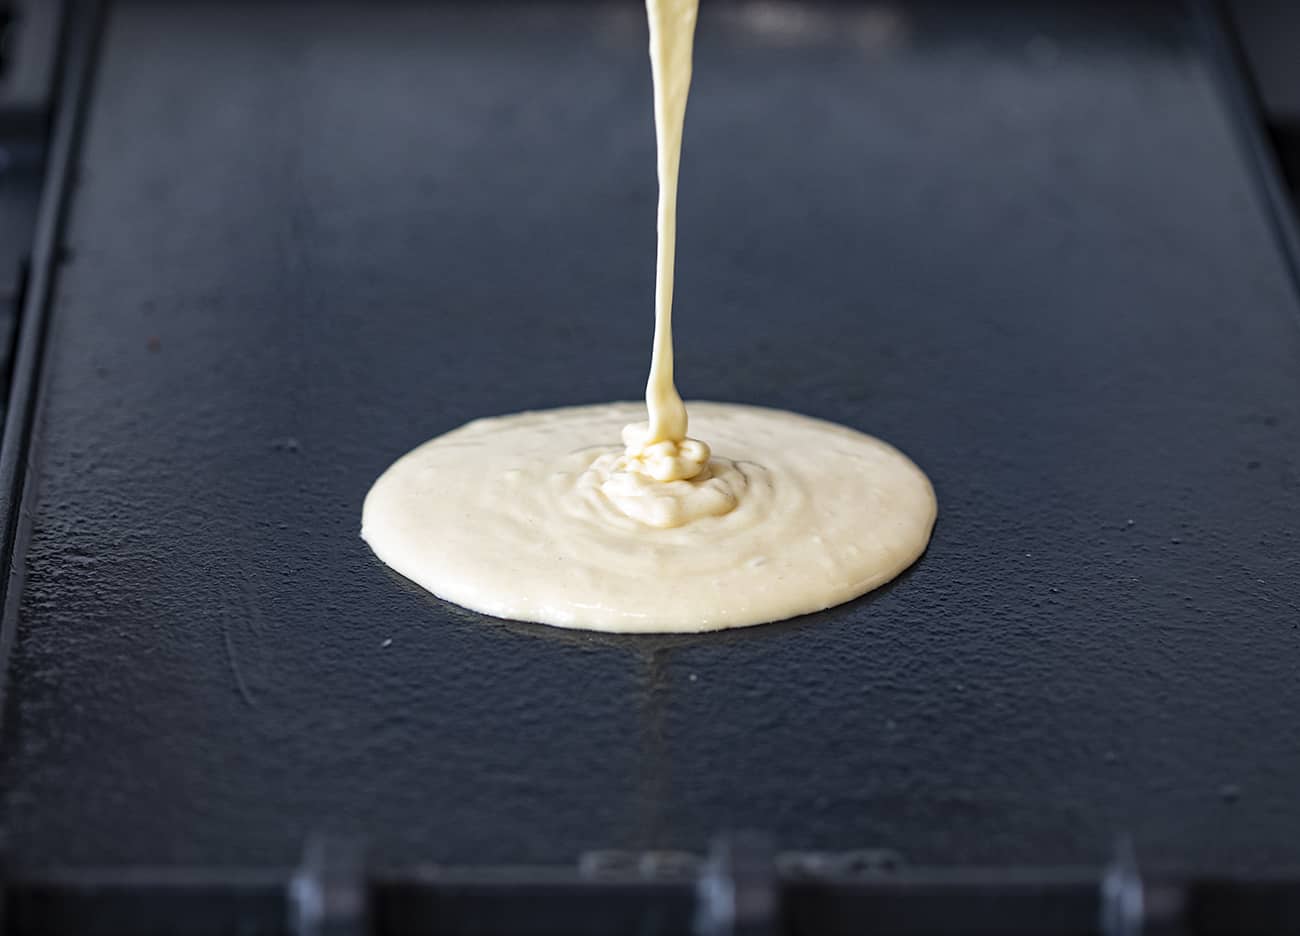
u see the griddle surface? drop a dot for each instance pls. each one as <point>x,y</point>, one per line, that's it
<point>1020,243</point>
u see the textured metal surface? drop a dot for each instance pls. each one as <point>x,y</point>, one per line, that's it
<point>1020,244</point>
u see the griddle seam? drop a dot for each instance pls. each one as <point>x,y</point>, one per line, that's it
<point>78,50</point>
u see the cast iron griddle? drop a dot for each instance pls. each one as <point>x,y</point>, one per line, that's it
<point>1019,241</point>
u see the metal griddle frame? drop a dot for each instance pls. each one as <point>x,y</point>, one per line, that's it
<point>743,887</point>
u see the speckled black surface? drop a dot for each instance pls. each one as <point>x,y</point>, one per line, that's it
<point>1021,245</point>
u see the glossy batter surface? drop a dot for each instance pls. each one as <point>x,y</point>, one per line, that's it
<point>537,517</point>
<point>509,516</point>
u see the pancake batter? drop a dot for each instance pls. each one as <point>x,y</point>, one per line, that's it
<point>536,517</point>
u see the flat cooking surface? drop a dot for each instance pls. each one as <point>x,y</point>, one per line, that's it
<point>1022,246</point>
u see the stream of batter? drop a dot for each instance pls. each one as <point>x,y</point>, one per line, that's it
<point>536,517</point>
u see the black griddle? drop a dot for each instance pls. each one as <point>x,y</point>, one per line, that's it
<point>1035,246</point>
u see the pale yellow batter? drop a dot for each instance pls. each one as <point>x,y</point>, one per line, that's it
<point>537,517</point>
<point>672,37</point>
<point>510,516</point>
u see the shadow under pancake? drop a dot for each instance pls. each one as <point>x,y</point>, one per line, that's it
<point>646,644</point>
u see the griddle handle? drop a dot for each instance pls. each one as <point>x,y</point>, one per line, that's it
<point>329,895</point>
<point>739,893</point>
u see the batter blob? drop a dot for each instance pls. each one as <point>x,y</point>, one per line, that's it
<point>512,516</point>
<point>536,517</point>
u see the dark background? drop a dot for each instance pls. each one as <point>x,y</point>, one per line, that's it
<point>1020,241</point>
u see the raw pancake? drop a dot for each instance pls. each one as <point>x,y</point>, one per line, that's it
<point>763,516</point>
<point>511,516</point>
